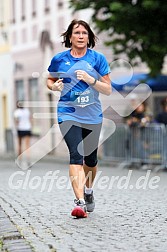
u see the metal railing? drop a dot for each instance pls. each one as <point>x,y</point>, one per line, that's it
<point>138,145</point>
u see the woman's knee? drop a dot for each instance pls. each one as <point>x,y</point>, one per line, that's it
<point>76,158</point>
<point>90,161</point>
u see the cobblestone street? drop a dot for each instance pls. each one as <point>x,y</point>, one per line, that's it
<point>129,216</point>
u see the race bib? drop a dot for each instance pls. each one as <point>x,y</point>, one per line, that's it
<point>82,99</point>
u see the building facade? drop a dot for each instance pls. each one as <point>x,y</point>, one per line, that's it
<point>30,34</point>
<point>6,78</point>
<point>35,29</point>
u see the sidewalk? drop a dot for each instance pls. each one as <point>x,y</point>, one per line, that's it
<point>125,219</point>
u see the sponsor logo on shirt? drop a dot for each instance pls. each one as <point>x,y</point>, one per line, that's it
<point>89,67</point>
<point>67,63</point>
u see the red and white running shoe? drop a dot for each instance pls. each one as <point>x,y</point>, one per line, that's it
<point>79,210</point>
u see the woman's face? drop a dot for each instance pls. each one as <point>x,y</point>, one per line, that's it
<point>79,37</point>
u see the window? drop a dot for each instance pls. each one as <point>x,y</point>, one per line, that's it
<point>14,38</point>
<point>1,14</point>
<point>23,10</point>
<point>24,35</point>
<point>47,6</point>
<point>33,89</point>
<point>47,26</point>
<point>13,11</point>
<point>60,4</point>
<point>33,94</point>
<point>33,97</point>
<point>34,32</point>
<point>61,22</point>
<point>19,89</point>
<point>34,8</point>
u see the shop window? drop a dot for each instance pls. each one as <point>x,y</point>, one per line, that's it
<point>19,90</point>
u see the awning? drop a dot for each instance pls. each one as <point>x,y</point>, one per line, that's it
<point>158,83</point>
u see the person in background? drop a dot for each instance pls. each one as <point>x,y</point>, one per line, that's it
<point>136,116</point>
<point>23,122</point>
<point>138,142</point>
<point>79,107</point>
<point>162,116</point>
<point>147,119</point>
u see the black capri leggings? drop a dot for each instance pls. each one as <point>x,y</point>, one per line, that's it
<point>82,141</point>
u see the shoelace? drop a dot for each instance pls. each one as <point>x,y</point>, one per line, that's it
<point>78,202</point>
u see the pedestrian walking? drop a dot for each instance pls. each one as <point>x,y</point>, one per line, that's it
<point>80,74</point>
<point>23,122</point>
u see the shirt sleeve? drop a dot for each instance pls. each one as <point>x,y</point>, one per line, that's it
<point>55,62</point>
<point>104,67</point>
<point>52,67</point>
<point>16,116</point>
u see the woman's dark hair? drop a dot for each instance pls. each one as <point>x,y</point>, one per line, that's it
<point>67,34</point>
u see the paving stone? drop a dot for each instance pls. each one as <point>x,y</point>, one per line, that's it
<point>131,219</point>
<point>10,236</point>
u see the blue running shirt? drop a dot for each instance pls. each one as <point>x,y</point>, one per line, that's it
<point>79,101</point>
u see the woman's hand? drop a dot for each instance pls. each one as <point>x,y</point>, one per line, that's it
<point>84,76</point>
<point>58,85</point>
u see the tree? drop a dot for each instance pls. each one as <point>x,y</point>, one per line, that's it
<point>134,27</point>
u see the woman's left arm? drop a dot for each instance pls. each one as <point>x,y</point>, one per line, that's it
<point>103,85</point>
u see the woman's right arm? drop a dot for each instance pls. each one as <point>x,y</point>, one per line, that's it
<point>50,81</point>
<point>54,84</point>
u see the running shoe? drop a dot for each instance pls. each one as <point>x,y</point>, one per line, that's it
<point>79,210</point>
<point>89,201</point>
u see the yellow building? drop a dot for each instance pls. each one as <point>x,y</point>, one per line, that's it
<point>6,87</point>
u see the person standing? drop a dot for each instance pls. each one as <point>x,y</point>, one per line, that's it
<point>80,74</point>
<point>23,122</point>
<point>162,116</point>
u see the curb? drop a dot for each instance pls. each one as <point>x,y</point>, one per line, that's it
<point>10,238</point>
